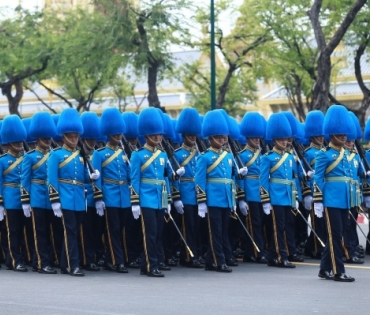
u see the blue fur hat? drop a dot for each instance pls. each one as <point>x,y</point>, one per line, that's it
<point>12,129</point>
<point>357,132</point>
<point>69,121</point>
<point>26,123</point>
<point>200,134</point>
<point>293,124</point>
<point>91,123</point>
<point>1,123</point>
<point>214,124</point>
<point>337,121</point>
<point>242,139</point>
<point>169,130</point>
<point>278,126</point>
<point>253,125</point>
<point>367,131</point>
<point>150,122</point>
<point>131,119</point>
<point>314,123</point>
<point>56,119</point>
<point>188,122</point>
<point>42,126</point>
<point>111,122</point>
<point>178,137</point>
<point>234,129</point>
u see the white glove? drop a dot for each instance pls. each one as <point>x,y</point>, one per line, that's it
<point>267,208</point>
<point>100,205</point>
<point>243,171</point>
<point>180,171</point>
<point>27,210</point>
<point>243,206</point>
<point>57,209</point>
<point>296,204</point>
<point>168,210</point>
<point>367,201</point>
<point>319,209</point>
<point>307,202</point>
<point>368,173</point>
<point>136,211</point>
<point>202,209</point>
<point>310,174</point>
<point>95,175</point>
<point>179,206</point>
<point>1,213</point>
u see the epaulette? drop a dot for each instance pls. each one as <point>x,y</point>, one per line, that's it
<point>33,150</point>
<point>56,149</point>
<point>324,149</point>
<point>100,149</point>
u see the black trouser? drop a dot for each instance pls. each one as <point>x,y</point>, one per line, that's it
<point>15,223</point>
<point>190,231</point>
<point>134,238</point>
<point>41,220</point>
<point>319,226</point>
<point>57,239</point>
<point>277,248</point>
<point>254,224</point>
<point>350,235</point>
<point>219,249</point>
<point>115,221</point>
<point>152,221</point>
<point>290,227</point>
<point>71,224</point>
<point>91,237</point>
<point>336,223</point>
<point>3,241</point>
<point>171,238</point>
<point>28,243</point>
<point>301,231</point>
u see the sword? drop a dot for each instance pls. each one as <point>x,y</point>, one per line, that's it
<point>183,239</point>
<point>235,215</point>
<point>313,231</point>
<point>358,225</point>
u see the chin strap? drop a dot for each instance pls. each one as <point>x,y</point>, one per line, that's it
<point>155,142</point>
<point>220,144</point>
<point>192,142</point>
<point>68,141</point>
<point>335,137</point>
<point>44,144</point>
<point>88,146</point>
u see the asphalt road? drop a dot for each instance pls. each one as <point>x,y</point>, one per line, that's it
<point>249,289</point>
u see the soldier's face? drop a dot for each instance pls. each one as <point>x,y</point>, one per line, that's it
<point>319,140</point>
<point>338,140</point>
<point>349,144</point>
<point>281,144</point>
<point>16,147</point>
<point>218,141</point>
<point>153,140</point>
<point>132,141</point>
<point>89,143</point>
<point>115,139</point>
<point>253,142</point>
<point>44,143</point>
<point>189,140</point>
<point>71,139</point>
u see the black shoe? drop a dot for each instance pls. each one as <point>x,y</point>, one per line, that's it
<point>295,258</point>
<point>109,267</point>
<point>171,262</point>
<point>194,264</point>
<point>155,273</point>
<point>133,265</point>
<point>238,253</point>
<point>35,269</point>
<point>47,270</point>
<point>121,268</point>
<point>354,260</point>
<point>9,267</point>
<point>163,266</point>
<point>92,267</point>
<point>224,268</point>
<point>286,264</point>
<point>342,277</point>
<point>201,260</point>
<point>100,262</point>
<point>64,271</point>
<point>21,268</point>
<point>210,267</point>
<point>273,263</point>
<point>231,262</point>
<point>360,249</point>
<point>359,255</point>
<point>262,260</point>
<point>249,259</point>
<point>328,275</point>
<point>143,272</point>
<point>77,272</point>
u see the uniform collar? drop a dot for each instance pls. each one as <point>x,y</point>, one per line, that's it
<point>335,147</point>
<point>249,148</point>
<point>190,149</point>
<point>114,148</point>
<point>66,147</point>
<point>149,148</point>
<point>218,151</point>
<point>42,151</point>
<point>15,155</point>
<point>277,151</point>
<point>318,147</point>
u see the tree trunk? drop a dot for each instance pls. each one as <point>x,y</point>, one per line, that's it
<point>153,98</point>
<point>223,88</point>
<point>13,101</point>
<point>321,88</point>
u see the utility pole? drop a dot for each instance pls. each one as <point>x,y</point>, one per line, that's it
<point>213,57</point>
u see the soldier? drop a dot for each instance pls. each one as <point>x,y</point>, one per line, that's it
<point>66,178</point>
<point>114,166</point>
<point>332,185</point>
<point>185,201</point>
<point>314,132</point>
<point>216,192</point>
<point>34,190</point>
<point>253,128</point>
<point>92,224</point>
<point>278,191</point>
<point>150,190</point>
<point>13,134</point>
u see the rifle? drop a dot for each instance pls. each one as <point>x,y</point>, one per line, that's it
<point>235,152</point>
<point>306,167</point>
<point>25,146</point>
<point>86,159</point>
<point>171,155</point>
<point>127,145</point>
<point>361,153</point>
<point>264,147</point>
<point>201,145</point>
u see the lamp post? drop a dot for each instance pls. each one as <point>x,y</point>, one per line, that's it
<point>213,59</point>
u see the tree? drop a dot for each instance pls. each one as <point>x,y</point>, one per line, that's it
<point>24,53</point>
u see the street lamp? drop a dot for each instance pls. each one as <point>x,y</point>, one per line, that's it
<point>213,57</point>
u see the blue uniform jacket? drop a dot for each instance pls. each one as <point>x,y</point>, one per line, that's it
<point>310,156</point>
<point>150,187</point>
<point>34,187</point>
<point>186,184</point>
<point>217,187</point>
<point>357,174</point>
<point>114,177</point>
<point>334,188</point>
<point>251,183</point>
<point>66,181</point>
<point>10,193</point>
<point>278,187</point>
